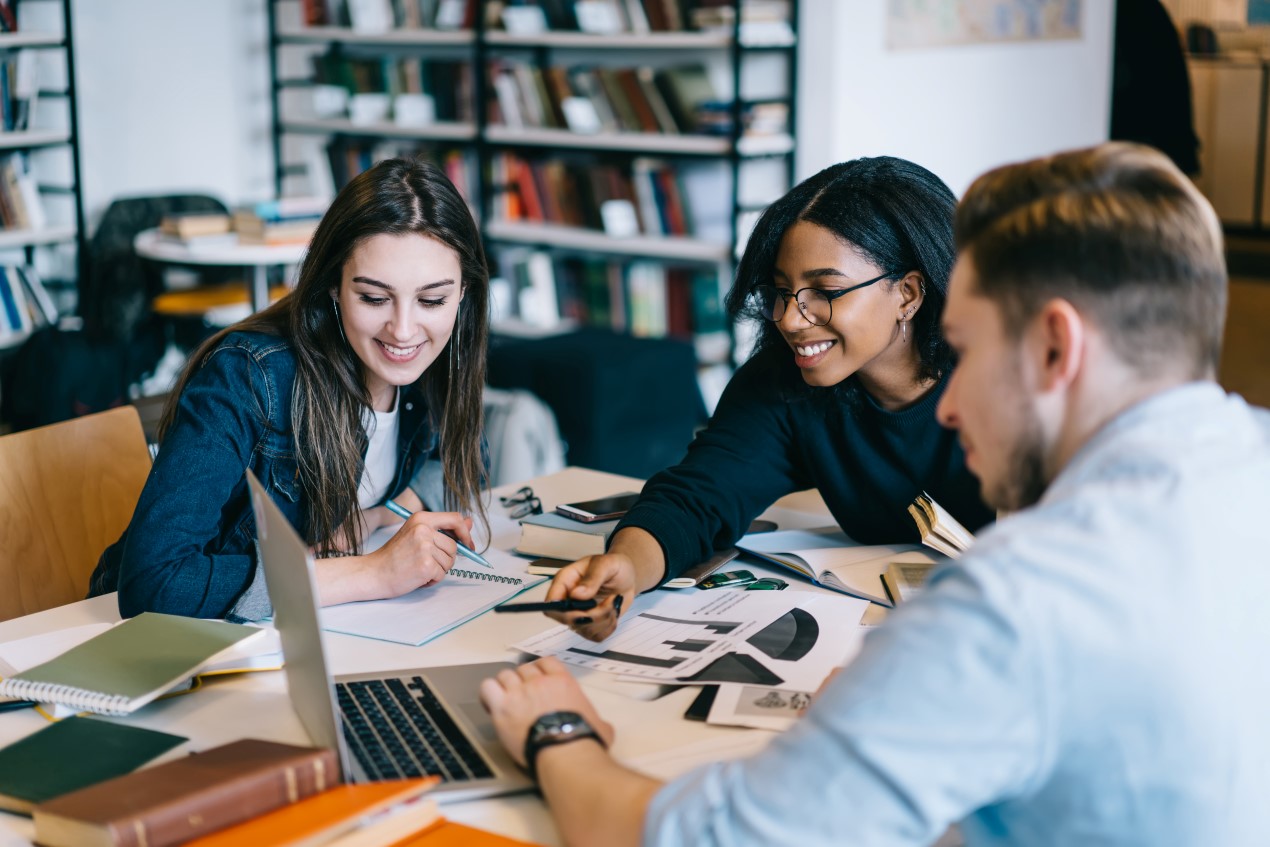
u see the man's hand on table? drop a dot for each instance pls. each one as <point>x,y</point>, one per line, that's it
<point>517,698</point>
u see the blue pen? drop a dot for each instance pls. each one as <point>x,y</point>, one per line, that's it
<point>464,550</point>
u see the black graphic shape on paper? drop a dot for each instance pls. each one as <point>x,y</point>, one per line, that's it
<point>789,637</point>
<point>689,645</point>
<point>631,658</point>
<point>735,667</point>
<point>717,627</point>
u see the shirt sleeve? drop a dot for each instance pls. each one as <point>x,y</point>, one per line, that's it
<point>741,463</point>
<point>943,712</point>
<point>170,561</point>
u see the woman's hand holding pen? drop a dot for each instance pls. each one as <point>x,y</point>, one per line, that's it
<point>602,578</point>
<point>419,553</point>
<point>634,563</point>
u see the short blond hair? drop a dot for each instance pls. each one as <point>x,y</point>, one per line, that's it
<point>1118,231</point>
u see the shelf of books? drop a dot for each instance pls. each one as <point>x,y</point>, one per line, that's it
<point>41,208</point>
<point>672,248</point>
<point>631,142</point>
<point>613,41</point>
<point>411,37</point>
<point>436,131</point>
<point>616,132</point>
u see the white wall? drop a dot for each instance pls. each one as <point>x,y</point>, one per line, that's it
<point>957,110</point>
<point>173,96</point>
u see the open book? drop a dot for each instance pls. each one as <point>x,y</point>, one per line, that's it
<point>939,529</point>
<point>831,559</point>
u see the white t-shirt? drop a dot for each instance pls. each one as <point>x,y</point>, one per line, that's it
<point>381,454</point>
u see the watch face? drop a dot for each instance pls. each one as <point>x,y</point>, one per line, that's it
<point>560,723</point>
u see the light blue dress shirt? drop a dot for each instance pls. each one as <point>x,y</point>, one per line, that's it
<point>1095,672</point>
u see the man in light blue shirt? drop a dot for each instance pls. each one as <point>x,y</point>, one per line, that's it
<point>1094,671</point>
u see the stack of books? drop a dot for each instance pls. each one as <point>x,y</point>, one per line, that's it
<point>290,220</point>
<point>199,230</point>
<point>78,780</point>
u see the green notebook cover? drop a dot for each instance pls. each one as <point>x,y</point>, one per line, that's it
<point>128,665</point>
<point>73,754</point>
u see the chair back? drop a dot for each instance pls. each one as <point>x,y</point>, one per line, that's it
<point>67,491</point>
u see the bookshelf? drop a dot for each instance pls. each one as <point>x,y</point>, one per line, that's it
<point>649,166</point>
<point>41,204</point>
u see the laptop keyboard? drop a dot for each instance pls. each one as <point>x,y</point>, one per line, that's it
<point>399,729</point>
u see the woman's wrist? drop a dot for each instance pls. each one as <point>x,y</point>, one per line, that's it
<point>642,550</point>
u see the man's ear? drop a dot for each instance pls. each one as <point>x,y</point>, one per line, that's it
<point>1060,335</point>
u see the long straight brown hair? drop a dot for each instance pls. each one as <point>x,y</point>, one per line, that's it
<point>395,197</point>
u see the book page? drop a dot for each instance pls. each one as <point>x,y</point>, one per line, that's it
<point>789,547</point>
<point>858,570</point>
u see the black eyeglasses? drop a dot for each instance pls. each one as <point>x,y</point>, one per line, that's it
<point>523,503</point>
<point>815,304</point>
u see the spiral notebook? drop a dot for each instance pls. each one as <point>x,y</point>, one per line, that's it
<point>425,613</point>
<point>128,665</point>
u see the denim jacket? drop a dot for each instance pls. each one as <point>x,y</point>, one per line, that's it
<point>190,547</point>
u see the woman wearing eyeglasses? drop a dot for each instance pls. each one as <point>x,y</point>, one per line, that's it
<point>846,276</point>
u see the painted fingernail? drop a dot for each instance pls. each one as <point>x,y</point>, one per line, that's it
<point>581,621</point>
<point>617,604</point>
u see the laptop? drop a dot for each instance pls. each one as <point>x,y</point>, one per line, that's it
<point>427,721</point>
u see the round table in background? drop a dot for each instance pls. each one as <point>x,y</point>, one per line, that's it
<point>150,244</point>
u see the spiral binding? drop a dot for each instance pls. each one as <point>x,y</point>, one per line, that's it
<point>489,577</point>
<point>79,699</point>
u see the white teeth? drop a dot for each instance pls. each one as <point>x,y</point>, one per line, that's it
<point>400,351</point>
<point>813,349</point>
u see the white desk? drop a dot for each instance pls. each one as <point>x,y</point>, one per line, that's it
<point>150,244</point>
<point>256,705</point>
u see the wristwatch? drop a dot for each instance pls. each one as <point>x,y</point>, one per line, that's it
<point>555,728</point>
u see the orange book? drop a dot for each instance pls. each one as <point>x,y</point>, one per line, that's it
<point>450,834</point>
<point>327,817</point>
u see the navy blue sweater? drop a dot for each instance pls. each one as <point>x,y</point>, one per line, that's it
<point>772,435</point>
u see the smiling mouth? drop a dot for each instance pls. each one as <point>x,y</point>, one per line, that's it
<point>813,349</point>
<point>402,353</point>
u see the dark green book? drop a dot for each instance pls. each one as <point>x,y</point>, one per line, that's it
<point>73,754</point>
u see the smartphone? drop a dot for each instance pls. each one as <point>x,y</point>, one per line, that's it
<point>719,580</point>
<point>601,509</point>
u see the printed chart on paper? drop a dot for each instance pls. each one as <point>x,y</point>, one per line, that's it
<point>759,638</point>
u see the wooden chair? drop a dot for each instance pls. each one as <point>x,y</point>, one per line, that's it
<point>67,491</point>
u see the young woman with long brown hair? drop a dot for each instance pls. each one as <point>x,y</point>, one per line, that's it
<point>361,385</point>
